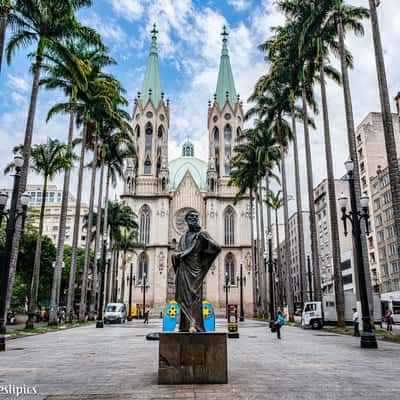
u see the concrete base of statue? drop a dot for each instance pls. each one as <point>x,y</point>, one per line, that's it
<point>192,358</point>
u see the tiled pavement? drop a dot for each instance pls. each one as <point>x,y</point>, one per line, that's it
<point>118,363</point>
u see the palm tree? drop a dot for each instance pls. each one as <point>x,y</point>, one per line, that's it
<point>392,157</point>
<point>124,149</point>
<point>67,69</point>
<point>48,160</point>
<point>39,22</point>
<point>245,175</point>
<point>5,6</point>
<point>275,202</point>
<point>128,241</point>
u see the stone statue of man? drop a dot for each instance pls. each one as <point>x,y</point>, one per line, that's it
<point>195,254</point>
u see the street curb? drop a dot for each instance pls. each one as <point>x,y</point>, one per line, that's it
<point>20,334</point>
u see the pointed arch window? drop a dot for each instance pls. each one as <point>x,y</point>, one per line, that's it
<point>149,138</point>
<point>216,148</point>
<point>230,269</point>
<point>227,148</point>
<point>160,136</point>
<point>147,165</point>
<point>229,219</point>
<point>143,265</point>
<point>144,227</point>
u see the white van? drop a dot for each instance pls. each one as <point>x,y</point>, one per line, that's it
<point>115,313</point>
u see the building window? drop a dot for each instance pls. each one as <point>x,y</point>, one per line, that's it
<point>387,197</point>
<point>377,203</point>
<point>381,236</point>
<point>147,165</point>
<point>145,224</point>
<point>230,269</point>
<point>378,220</point>
<point>395,267</point>
<point>392,249</point>
<point>148,145</point>
<point>229,226</point>
<point>390,231</point>
<point>216,148</point>
<point>143,269</point>
<point>227,148</point>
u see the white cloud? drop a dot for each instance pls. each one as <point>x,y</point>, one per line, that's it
<point>239,5</point>
<point>111,31</point>
<point>17,83</point>
<point>132,10</point>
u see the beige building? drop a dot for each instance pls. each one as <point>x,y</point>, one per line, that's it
<point>387,278</point>
<point>52,213</point>
<point>371,156</point>
<point>323,216</point>
<point>161,192</point>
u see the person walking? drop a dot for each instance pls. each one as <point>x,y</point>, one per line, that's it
<point>356,322</point>
<point>146,318</point>
<point>389,320</point>
<point>280,321</point>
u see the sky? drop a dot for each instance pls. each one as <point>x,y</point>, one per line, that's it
<point>189,44</point>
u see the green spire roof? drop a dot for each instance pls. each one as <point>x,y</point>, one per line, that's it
<point>152,79</point>
<point>225,77</point>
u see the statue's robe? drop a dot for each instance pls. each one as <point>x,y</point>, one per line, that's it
<point>196,252</point>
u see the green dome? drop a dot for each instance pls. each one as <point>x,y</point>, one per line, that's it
<point>179,167</point>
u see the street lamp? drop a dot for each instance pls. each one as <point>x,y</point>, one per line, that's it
<point>144,293</point>
<point>368,339</point>
<point>226,292</point>
<point>271,282</point>
<point>105,259</point>
<point>309,278</point>
<point>6,258</point>
<point>241,318</point>
<point>131,278</point>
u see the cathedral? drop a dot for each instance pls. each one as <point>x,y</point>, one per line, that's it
<point>161,191</point>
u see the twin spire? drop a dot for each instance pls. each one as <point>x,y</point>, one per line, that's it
<point>151,89</point>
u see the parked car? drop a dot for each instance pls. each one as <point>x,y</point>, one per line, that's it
<point>115,313</point>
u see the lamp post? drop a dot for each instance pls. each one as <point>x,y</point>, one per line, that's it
<point>105,259</point>
<point>226,292</point>
<point>5,261</point>
<point>271,281</point>
<point>3,203</point>
<point>144,293</point>
<point>131,278</point>
<point>368,339</point>
<point>241,318</point>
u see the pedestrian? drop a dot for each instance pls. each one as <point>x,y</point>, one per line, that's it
<point>146,318</point>
<point>280,321</point>
<point>356,322</point>
<point>389,320</point>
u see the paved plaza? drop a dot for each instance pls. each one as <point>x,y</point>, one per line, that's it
<point>118,363</point>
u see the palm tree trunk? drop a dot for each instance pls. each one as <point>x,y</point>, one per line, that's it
<point>393,164</point>
<point>351,137</point>
<point>258,247</point>
<point>77,219</point>
<point>269,218</point>
<point>253,256</point>
<point>24,173</point>
<point>289,292</point>
<point>3,27</point>
<point>33,294</point>
<point>279,261</point>
<point>311,206</point>
<point>123,278</point>
<point>98,242</point>
<point>336,258</point>
<point>55,289</point>
<point>88,242</point>
<point>262,250</point>
<point>299,207</point>
<point>105,236</point>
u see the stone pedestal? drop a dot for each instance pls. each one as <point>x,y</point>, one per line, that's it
<point>190,358</point>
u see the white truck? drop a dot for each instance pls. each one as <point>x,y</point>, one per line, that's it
<point>316,314</point>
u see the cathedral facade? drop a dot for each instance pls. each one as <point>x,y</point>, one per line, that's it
<point>161,191</point>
